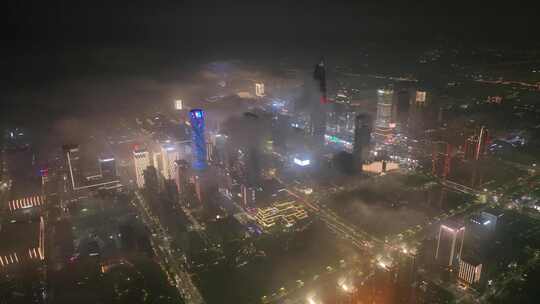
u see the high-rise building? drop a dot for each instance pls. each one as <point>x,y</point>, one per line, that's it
<point>475,145</point>
<point>152,187</point>
<point>450,243</point>
<point>221,153</point>
<point>206,187</point>
<point>319,75</point>
<point>141,159</point>
<point>198,139</point>
<point>210,151</point>
<point>384,122</point>
<point>470,147</point>
<point>73,164</point>
<point>362,135</point>
<point>184,149</point>
<point>182,176</point>
<point>253,166</point>
<point>481,230</point>
<point>280,128</point>
<point>107,167</point>
<point>417,122</point>
<point>169,155</point>
<point>441,159</point>
<point>249,196</point>
<point>482,142</point>
<point>317,105</point>
<point>405,96</point>
<point>318,123</point>
<point>225,181</point>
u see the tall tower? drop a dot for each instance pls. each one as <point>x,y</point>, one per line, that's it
<point>199,144</point>
<point>318,108</point>
<point>362,134</point>
<point>141,159</point>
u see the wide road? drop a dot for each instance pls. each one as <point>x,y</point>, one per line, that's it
<point>161,245</point>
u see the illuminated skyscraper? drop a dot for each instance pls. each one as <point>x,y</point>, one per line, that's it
<point>73,164</point>
<point>384,108</point>
<point>384,122</point>
<point>450,243</point>
<point>482,142</point>
<point>141,159</point>
<point>198,140</point>
<point>475,145</point>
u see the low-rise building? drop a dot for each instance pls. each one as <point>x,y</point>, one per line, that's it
<point>286,213</point>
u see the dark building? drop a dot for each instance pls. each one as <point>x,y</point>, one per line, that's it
<point>206,187</point>
<point>253,166</point>
<point>469,150</point>
<point>107,167</point>
<point>280,127</point>
<point>317,104</point>
<point>182,176</point>
<point>441,159</point>
<point>404,97</point>
<point>225,181</point>
<point>362,136</point>
<point>221,153</point>
<point>152,187</point>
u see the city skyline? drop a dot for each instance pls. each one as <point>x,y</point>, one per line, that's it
<point>314,153</point>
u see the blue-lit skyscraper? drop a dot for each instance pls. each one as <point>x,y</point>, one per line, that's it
<point>199,144</point>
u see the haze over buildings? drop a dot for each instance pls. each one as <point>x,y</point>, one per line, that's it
<point>313,152</point>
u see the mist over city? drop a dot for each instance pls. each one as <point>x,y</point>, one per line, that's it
<point>281,152</point>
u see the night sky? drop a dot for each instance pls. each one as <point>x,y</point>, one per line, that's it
<point>51,42</point>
